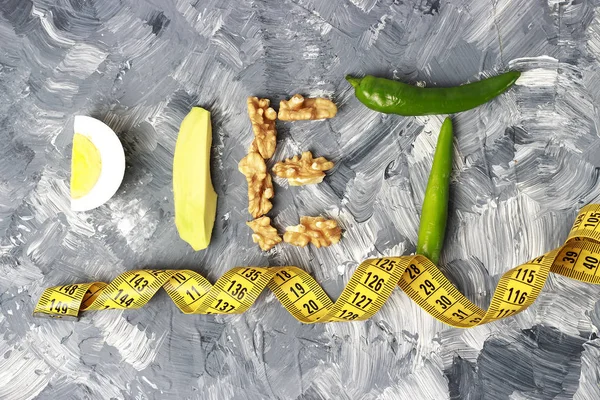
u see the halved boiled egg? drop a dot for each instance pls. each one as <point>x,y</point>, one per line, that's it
<point>97,165</point>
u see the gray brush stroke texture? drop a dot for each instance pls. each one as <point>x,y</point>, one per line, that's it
<point>525,163</point>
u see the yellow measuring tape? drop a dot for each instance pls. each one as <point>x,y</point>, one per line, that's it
<point>370,286</point>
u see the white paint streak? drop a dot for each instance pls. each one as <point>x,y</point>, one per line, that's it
<point>424,383</point>
<point>49,28</point>
<point>82,60</point>
<point>137,348</point>
<point>593,33</point>
<point>133,221</point>
<point>538,77</point>
<point>22,374</point>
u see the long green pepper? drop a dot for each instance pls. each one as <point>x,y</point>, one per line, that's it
<point>393,97</point>
<point>434,214</point>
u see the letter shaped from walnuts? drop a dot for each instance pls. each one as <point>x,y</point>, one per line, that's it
<point>194,196</point>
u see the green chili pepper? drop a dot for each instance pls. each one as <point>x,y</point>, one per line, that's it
<point>393,97</point>
<point>432,228</point>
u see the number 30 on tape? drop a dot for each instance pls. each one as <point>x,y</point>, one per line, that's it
<point>370,286</point>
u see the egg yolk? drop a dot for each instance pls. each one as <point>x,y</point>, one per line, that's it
<point>86,165</point>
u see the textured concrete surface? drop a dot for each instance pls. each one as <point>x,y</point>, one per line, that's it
<point>525,163</point>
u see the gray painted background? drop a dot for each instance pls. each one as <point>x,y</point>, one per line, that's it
<point>525,163</point>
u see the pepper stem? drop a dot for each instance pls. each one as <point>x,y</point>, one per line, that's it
<point>355,82</point>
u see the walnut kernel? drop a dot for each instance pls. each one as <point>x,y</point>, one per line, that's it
<point>303,170</point>
<point>298,108</point>
<point>263,119</point>
<point>264,234</point>
<point>260,186</point>
<point>316,230</point>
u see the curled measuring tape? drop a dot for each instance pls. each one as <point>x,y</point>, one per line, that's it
<point>370,286</point>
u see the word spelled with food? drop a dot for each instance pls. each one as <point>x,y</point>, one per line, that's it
<point>298,171</point>
<point>260,185</point>
<point>264,234</point>
<point>299,108</point>
<point>97,164</point>
<point>262,117</point>
<point>304,170</point>
<point>319,231</point>
<point>393,97</point>
<point>194,196</point>
<point>432,228</point>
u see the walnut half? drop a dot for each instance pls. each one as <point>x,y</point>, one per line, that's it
<point>303,170</point>
<point>263,119</point>
<point>316,230</point>
<point>298,108</point>
<point>264,234</point>
<point>260,186</point>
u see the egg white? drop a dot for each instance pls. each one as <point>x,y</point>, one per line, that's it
<point>112,158</point>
